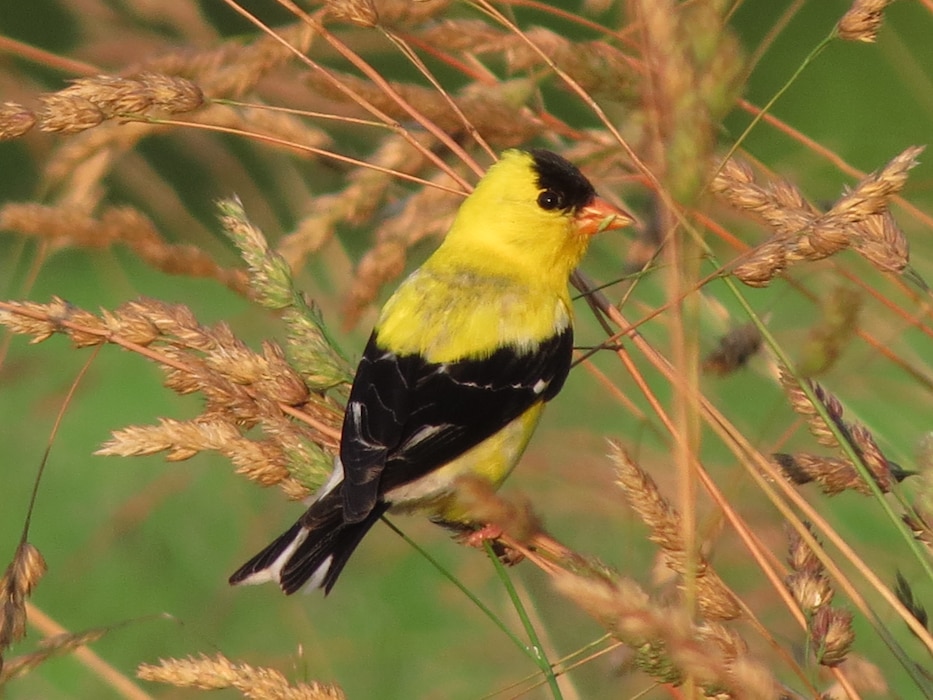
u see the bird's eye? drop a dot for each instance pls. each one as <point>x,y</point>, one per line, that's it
<point>549,200</point>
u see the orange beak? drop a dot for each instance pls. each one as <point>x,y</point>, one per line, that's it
<point>599,215</point>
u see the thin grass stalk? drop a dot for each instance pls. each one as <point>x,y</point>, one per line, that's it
<point>391,123</point>
<point>878,346</point>
<point>383,84</point>
<point>275,141</point>
<point>809,59</point>
<point>53,433</point>
<point>66,65</point>
<point>763,558</point>
<point>565,665</point>
<point>774,31</point>
<point>535,647</point>
<point>123,685</point>
<point>443,571</point>
<point>326,116</point>
<point>488,9</point>
<point>853,456</point>
<point>416,61</point>
<point>831,157</point>
<point>734,439</point>
<point>851,453</point>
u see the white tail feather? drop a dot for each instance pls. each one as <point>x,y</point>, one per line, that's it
<point>273,572</point>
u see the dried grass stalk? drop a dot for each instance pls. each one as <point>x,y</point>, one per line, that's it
<point>828,473</point>
<point>862,21</point>
<point>808,582</point>
<point>834,475</point>
<point>667,645</point>
<point>673,103</point>
<point>288,458</point>
<point>230,70</point>
<point>73,226</point>
<point>241,385</point>
<point>782,206</point>
<point>262,461</point>
<point>715,600</point>
<point>859,219</point>
<point>242,389</point>
<point>497,111</point>
<point>18,582</point>
<point>217,672</point>
<point>355,204</point>
<point>233,68</point>
<point>15,120</point>
<point>50,647</point>
<point>89,102</point>
<point>601,69</point>
<point>873,194</point>
<point>362,13</point>
<point>388,13</point>
<point>830,628</point>
<point>470,35</point>
<point>832,635</point>
<point>426,213</point>
<point>312,350</point>
<point>286,127</point>
<point>801,404</point>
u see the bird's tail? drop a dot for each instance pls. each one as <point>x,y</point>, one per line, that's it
<point>313,551</point>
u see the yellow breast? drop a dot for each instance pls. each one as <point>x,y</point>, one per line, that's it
<point>428,315</point>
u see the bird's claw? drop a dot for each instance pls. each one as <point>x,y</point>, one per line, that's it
<point>491,533</point>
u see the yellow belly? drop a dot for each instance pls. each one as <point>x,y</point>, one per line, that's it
<point>492,460</point>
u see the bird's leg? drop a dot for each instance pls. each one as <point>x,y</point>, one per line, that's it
<point>477,537</point>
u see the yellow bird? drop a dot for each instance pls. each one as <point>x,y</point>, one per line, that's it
<point>461,361</point>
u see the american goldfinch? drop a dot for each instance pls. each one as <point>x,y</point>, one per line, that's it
<point>463,357</point>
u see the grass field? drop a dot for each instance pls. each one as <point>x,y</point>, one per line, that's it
<point>104,201</point>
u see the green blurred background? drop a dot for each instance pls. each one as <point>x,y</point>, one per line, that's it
<point>147,546</point>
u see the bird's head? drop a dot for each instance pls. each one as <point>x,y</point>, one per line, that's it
<point>535,210</point>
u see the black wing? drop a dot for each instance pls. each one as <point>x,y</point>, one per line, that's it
<point>413,416</point>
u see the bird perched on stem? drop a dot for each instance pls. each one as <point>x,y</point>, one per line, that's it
<point>462,359</point>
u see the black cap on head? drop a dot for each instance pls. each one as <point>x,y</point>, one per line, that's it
<point>565,187</point>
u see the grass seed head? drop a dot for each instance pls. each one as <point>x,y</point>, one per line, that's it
<point>18,582</point>
<point>905,594</point>
<point>714,598</point>
<point>218,672</point>
<point>362,13</point>
<point>862,21</point>
<point>832,635</point>
<point>808,582</point>
<point>15,120</point>
<point>67,113</point>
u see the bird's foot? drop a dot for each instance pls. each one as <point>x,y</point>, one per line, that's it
<point>491,533</point>
<point>478,538</point>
